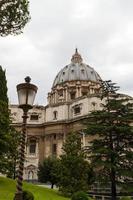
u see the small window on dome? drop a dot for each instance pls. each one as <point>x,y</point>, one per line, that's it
<point>83,71</point>
<point>63,73</point>
<point>66,66</point>
<point>72,70</point>
<point>91,72</point>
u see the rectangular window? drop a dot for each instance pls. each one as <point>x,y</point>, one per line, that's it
<point>73,95</point>
<point>77,110</point>
<point>54,149</point>
<point>84,93</point>
<point>54,136</point>
<point>32,147</point>
<point>55,115</point>
<point>34,117</point>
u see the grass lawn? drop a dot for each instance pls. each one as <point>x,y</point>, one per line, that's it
<point>8,187</point>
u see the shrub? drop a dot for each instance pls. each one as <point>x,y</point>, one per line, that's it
<point>80,196</point>
<point>126,198</point>
<point>27,195</point>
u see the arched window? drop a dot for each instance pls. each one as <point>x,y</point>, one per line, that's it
<point>94,105</point>
<point>60,93</point>
<point>30,175</point>
<point>32,146</point>
<point>55,113</point>
<point>54,136</point>
<point>54,149</point>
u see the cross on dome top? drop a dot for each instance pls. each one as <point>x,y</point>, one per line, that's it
<point>76,58</point>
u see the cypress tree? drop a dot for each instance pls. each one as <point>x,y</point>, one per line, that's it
<point>111,150</point>
<point>3,86</point>
<point>4,115</point>
<point>9,137</point>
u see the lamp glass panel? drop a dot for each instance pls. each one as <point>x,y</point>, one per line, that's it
<point>31,97</point>
<point>22,96</point>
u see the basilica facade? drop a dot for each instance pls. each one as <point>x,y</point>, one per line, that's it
<point>74,94</point>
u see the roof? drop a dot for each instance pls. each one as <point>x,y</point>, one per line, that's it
<point>76,70</point>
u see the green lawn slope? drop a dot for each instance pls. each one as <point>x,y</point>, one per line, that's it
<point>8,187</point>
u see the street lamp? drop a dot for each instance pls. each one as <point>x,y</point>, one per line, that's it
<point>26,95</point>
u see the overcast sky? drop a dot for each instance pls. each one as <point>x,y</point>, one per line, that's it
<point>101,29</point>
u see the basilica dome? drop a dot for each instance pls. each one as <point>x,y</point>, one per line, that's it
<point>76,71</point>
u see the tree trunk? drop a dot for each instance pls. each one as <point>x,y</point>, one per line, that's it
<point>14,169</point>
<point>113,185</point>
<point>52,185</point>
<point>112,170</point>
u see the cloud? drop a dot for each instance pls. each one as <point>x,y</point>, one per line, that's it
<point>102,31</point>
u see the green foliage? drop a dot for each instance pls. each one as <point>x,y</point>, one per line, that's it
<point>80,195</point>
<point>12,155</point>
<point>14,15</point>
<point>91,176</point>
<point>126,198</point>
<point>74,167</point>
<point>4,127</point>
<point>4,117</point>
<point>8,189</point>
<point>10,159</point>
<point>3,86</point>
<point>110,151</point>
<point>48,171</point>
<point>9,137</point>
<point>27,195</point>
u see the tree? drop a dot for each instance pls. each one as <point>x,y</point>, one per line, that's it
<point>111,149</point>
<point>4,116</point>
<point>9,137</point>
<point>74,167</point>
<point>14,15</point>
<point>12,156</point>
<point>48,171</point>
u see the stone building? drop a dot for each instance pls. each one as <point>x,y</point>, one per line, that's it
<point>73,96</point>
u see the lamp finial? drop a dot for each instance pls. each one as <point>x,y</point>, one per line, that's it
<point>27,79</point>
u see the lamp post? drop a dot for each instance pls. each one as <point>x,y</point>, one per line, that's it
<point>26,95</point>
